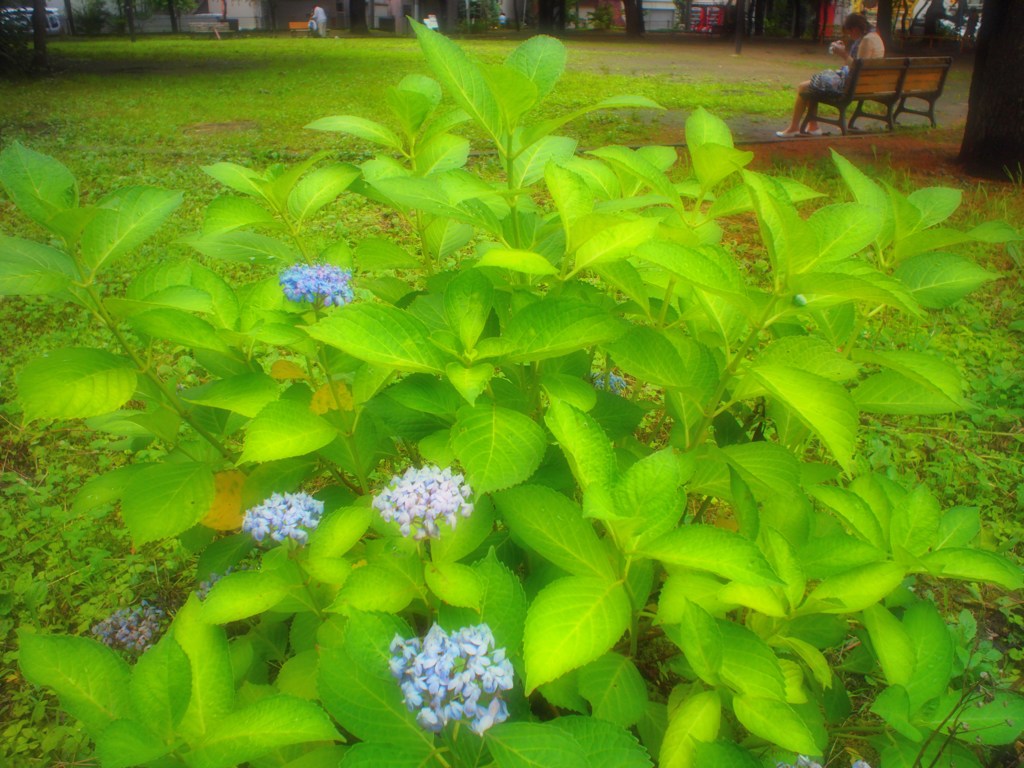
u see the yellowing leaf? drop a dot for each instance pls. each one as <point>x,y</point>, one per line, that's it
<point>324,400</point>
<point>226,510</point>
<point>283,370</point>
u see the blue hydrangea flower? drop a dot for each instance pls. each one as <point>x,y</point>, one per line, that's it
<point>131,629</point>
<point>418,499</point>
<point>610,382</point>
<point>312,282</point>
<point>861,764</point>
<point>453,677</point>
<point>284,516</point>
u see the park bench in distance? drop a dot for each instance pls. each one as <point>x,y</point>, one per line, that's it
<point>889,82</point>
<point>208,27</point>
<point>298,27</point>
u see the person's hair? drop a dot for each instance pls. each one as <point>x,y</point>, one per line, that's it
<point>857,21</point>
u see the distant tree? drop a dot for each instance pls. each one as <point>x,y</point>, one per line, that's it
<point>357,17</point>
<point>39,57</point>
<point>634,17</point>
<point>884,21</point>
<point>993,143</point>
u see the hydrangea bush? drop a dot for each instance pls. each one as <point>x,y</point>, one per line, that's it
<point>682,562</point>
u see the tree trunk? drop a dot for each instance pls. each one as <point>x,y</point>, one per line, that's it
<point>634,17</point>
<point>172,10</point>
<point>884,25</point>
<point>550,18</point>
<point>39,57</point>
<point>69,16</point>
<point>357,17</point>
<point>993,142</point>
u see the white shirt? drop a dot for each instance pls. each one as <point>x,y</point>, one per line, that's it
<point>319,15</point>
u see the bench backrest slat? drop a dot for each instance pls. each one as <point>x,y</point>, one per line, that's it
<point>903,76</point>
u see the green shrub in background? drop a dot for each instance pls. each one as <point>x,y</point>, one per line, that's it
<point>562,483</point>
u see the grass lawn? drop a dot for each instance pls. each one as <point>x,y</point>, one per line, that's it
<point>153,112</point>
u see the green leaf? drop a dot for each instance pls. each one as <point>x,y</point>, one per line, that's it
<point>126,219</point>
<point>974,565</point>
<point>939,280</point>
<point>936,204</point>
<point>892,644</point>
<point>997,721</point>
<point>933,650</point>
<point>701,640</point>
<point>377,587</point>
<point>605,745</point>
<point>75,384</point>
<point>240,595</point>
<point>497,447</point>
<point>381,335</point>
<point>585,445</point>
<point>213,681</point>
<point>39,185</point>
<point>614,243</point>
<point>361,128</point>
<point>503,607</point>
<point>375,253</point>
<point>647,354</point>
<point>441,153</point>
<point>28,268</point>
<point>530,163</point>
<point>853,510</point>
<point>377,754</point>
<point>869,193</point>
<point>749,665</point>
<point>821,405</point>
<point>542,60</point>
<point>248,248</point>
<point>776,722</point>
<point>339,531</point>
<point>260,728</point>
<point>163,500</point>
<point>534,745</point>
<point>517,260</point>
<point>367,702</point>
<point>90,679</point>
<point>238,178</point>
<point>571,195</point>
<point>634,164</point>
<point>161,686</point>
<point>454,584</point>
<point>615,689</point>
<point>914,524</point>
<point>647,494</point>
<point>892,393</point>
<point>555,327</point>
<point>246,394</point>
<point>789,240</point>
<point>842,230</point>
<point>126,743</point>
<point>697,719</point>
<point>467,305</point>
<point>571,622</point>
<point>959,527</point>
<point>283,429</point>
<point>855,589</point>
<point>554,527</point>
<point>929,371</point>
<point>319,188</point>
<point>178,327</point>
<point>227,213</point>
<point>715,550</point>
<point>462,79</point>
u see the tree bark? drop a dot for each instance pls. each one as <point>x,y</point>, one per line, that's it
<point>172,11</point>
<point>884,25</point>
<point>39,57</point>
<point>634,17</point>
<point>993,142</point>
<point>357,17</point>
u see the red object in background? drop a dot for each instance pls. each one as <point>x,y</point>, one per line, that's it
<point>708,19</point>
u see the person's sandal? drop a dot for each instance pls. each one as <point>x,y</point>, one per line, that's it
<point>788,134</point>
<point>815,132</point>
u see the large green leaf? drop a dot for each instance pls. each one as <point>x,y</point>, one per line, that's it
<point>361,128</point>
<point>39,185</point>
<point>554,527</point>
<point>542,60</point>
<point>534,745</point>
<point>936,204</point>
<point>615,689</point>
<point>467,305</point>
<point>126,219</point>
<point>163,500</point>
<point>497,447</point>
<point>127,743</point>
<point>161,686</point>
<point>381,335</point>
<point>378,754</point>
<point>502,608</point>
<point>28,268</point>
<point>789,240</point>
<point>914,524</point>
<point>455,584</point>
<point>869,193</point>
<point>939,280</point>
<point>929,371</point>
<point>823,406</point>
<point>179,327</point>
<point>249,248</point>
<point>213,680</point>
<point>891,642</point>
<point>933,648</point>
<point>584,443</point>
<point>749,666</point>
<point>715,550</point>
<point>530,163</point>
<point>700,639</point>
<point>555,327</point>
<point>893,393</point>
<point>698,718</point>
<point>777,722</point>
<point>262,727</point>
<point>613,243</point>
<point>90,679</point>
<point>319,188</point>
<point>571,195</point>
<point>855,589</point>
<point>974,565</point>
<point>842,230</point>
<point>75,384</point>
<point>633,164</point>
<point>605,744</point>
<point>246,394</point>
<point>283,429</point>
<point>462,79</point>
<point>571,622</point>
<point>243,594</point>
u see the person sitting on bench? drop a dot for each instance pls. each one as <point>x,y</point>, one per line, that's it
<point>832,82</point>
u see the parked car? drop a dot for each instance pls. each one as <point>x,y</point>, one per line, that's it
<point>21,18</point>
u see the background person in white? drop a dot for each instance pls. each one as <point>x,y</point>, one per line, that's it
<point>320,17</point>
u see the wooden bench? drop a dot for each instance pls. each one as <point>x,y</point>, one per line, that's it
<point>208,27</point>
<point>888,82</point>
<point>299,27</point>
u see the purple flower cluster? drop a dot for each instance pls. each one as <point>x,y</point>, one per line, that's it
<point>611,382</point>
<point>312,282</point>
<point>416,499</point>
<point>284,516</point>
<point>803,761</point>
<point>131,629</point>
<point>453,677</point>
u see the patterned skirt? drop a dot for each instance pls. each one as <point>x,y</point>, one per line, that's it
<point>831,82</point>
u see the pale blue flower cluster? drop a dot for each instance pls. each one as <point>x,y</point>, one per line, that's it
<point>611,382</point>
<point>418,499</point>
<point>284,516</point>
<point>803,761</point>
<point>131,629</point>
<point>309,282</point>
<point>453,677</point>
